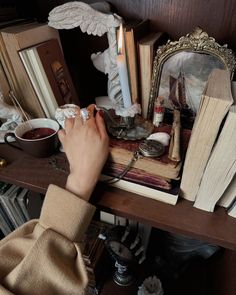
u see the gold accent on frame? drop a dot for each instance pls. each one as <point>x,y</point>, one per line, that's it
<point>196,42</point>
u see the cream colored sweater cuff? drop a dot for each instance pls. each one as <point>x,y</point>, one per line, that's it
<point>66,213</point>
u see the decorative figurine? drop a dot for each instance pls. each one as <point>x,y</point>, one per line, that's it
<point>95,19</point>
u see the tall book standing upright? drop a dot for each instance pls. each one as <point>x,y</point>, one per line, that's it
<point>221,166</point>
<point>50,77</point>
<point>229,194</point>
<point>146,52</point>
<point>134,31</point>
<point>215,103</point>
<point>16,38</point>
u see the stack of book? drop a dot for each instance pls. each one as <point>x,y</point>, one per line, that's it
<point>156,178</point>
<point>33,62</point>
<point>13,207</point>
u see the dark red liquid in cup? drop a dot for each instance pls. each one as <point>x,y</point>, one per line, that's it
<point>38,133</point>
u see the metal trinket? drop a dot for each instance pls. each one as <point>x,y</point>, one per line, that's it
<point>3,162</point>
<point>151,148</point>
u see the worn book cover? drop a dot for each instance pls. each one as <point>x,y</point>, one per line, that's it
<point>137,176</point>
<point>133,31</point>
<point>52,65</point>
<point>49,75</point>
<point>18,37</point>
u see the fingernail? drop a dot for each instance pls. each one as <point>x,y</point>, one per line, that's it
<point>101,113</point>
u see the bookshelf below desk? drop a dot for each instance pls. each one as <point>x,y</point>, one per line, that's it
<point>36,174</point>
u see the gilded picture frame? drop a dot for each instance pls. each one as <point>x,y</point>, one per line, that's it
<point>181,69</point>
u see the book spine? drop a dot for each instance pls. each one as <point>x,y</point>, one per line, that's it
<point>6,204</point>
<point>138,176</point>
<point>21,199</point>
<point>5,223</point>
<point>17,210</point>
<point>26,95</point>
<point>144,191</point>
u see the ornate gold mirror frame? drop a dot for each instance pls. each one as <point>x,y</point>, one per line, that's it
<point>193,56</point>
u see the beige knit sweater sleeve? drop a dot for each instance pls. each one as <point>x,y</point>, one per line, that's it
<point>43,256</point>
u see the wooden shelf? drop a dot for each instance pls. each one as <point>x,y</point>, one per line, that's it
<point>36,174</point>
<point>217,228</point>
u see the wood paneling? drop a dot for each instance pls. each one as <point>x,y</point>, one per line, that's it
<point>179,17</point>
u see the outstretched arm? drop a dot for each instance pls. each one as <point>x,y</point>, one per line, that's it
<point>43,256</point>
<point>86,146</point>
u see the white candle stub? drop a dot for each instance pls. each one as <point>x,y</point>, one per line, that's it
<point>161,137</point>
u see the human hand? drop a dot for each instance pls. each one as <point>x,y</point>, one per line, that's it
<point>86,145</point>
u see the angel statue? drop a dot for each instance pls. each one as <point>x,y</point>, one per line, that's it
<point>95,19</point>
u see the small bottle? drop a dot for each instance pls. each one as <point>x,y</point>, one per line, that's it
<point>159,110</point>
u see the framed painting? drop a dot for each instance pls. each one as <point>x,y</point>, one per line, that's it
<point>180,72</point>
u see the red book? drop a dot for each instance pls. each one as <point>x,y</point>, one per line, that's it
<point>137,176</point>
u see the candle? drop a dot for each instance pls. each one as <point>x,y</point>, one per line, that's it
<point>122,69</point>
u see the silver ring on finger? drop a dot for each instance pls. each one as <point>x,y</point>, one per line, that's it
<point>84,114</point>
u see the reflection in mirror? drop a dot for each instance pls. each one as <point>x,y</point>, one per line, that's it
<point>181,70</point>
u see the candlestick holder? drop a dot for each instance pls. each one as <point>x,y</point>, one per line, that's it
<point>128,128</point>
